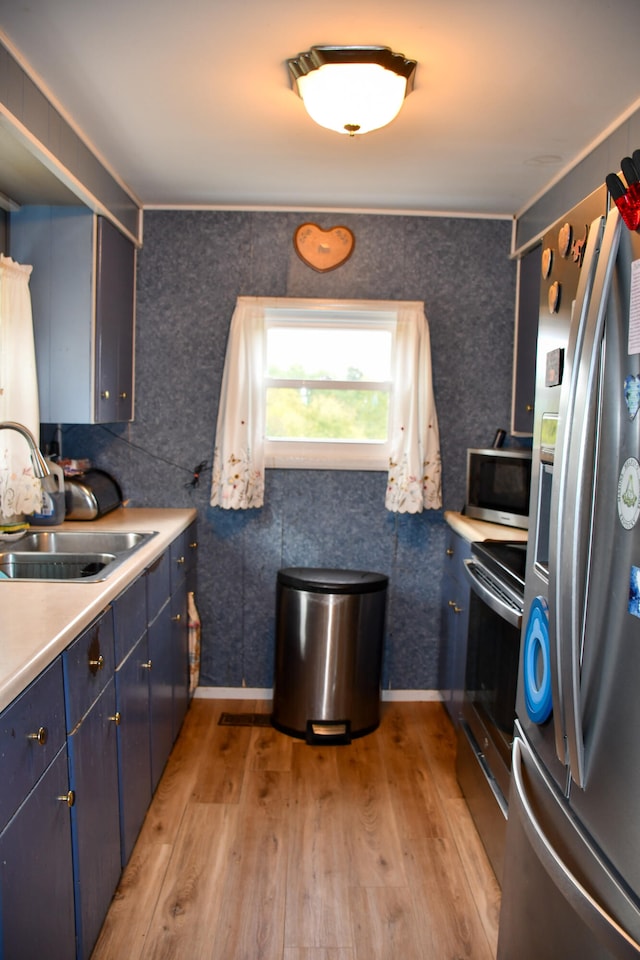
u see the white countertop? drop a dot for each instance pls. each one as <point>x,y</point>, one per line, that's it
<point>39,620</point>
<point>474,530</point>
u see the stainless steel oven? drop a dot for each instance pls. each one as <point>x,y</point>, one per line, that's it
<point>496,573</point>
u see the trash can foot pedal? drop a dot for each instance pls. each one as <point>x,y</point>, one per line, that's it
<point>328,731</point>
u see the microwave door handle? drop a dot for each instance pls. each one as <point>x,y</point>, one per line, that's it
<point>492,600</point>
<point>604,927</point>
<point>575,508</point>
<point>562,623</point>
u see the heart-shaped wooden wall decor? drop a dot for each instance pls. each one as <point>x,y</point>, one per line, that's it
<point>323,249</point>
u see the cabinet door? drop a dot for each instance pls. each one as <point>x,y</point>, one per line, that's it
<point>180,655</point>
<point>526,342</point>
<point>83,297</point>
<point>115,293</point>
<point>134,747</point>
<point>161,691</point>
<point>36,876</point>
<point>129,618</point>
<point>95,818</point>
<point>454,623</point>
<point>32,731</point>
<point>88,665</point>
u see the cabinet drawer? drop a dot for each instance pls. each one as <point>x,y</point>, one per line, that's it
<point>32,731</point>
<point>158,580</point>
<point>129,618</point>
<point>88,666</point>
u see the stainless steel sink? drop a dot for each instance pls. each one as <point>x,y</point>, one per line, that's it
<point>65,555</point>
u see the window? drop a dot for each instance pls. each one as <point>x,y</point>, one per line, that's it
<point>328,387</point>
<point>316,384</point>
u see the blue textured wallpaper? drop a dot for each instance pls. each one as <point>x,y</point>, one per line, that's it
<point>191,268</point>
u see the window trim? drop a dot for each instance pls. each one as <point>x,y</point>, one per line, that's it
<point>332,454</point>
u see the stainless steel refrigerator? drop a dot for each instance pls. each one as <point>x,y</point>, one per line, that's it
<point>571,880</point>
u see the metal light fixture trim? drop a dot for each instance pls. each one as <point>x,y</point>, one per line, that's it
<point>354,89</point>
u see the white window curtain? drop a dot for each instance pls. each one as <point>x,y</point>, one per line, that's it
<point>238,463</point>
<point>238,459</point>
<point>20,491</point>
<point>415,470</point>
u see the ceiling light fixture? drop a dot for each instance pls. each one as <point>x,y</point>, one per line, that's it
<point>352,89</point>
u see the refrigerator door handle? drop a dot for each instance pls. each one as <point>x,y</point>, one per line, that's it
<point>608,932</point>
<point>575,504</point>
<point>565,604</point>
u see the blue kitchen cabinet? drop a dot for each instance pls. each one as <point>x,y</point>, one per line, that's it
<point>180,657</point>
<point>83,299</point>
<point>183,581</point>
<point>32,731</point>
<point>168,583</point>
<point>92,720</point>
<point>36,885</point>
<point>134,743</point>
<point>36,878</point>
<point>158,579</point>
<point>526,342</point>
<point>454,622</point>
<point>161,691</point>
<point>83,748</point>
<point>133,667</point>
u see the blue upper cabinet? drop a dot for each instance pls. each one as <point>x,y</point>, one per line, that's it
<point>83,304</point>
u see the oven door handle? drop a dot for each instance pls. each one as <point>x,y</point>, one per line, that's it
<point>493,600</point>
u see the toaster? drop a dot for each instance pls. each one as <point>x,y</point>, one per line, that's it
<point>91,494</point>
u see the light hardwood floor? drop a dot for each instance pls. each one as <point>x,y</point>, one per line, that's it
<point>260,847</point>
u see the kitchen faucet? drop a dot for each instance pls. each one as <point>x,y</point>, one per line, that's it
<point>40,468</point>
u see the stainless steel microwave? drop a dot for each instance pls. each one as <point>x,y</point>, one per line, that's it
<point>498,485</point>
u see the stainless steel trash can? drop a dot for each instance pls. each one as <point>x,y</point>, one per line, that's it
<point>329,636</point>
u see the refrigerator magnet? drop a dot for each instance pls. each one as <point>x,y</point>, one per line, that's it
<point>634,592</point>
<point>629,493</point>
<point>632,394</point>
<point>536,663</point>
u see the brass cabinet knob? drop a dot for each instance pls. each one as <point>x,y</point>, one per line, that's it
<point>180,561</point>
<point>40,737</point>
<point>529,407</point>
<point>123,395</point>
<point>452,603</point>
<point>177,618</point>
<point>69,798</point>
<point>457,609</point>
<point>147,665</point>
<point>117,717</point>
<point>97,664</point>
<point>105,394</point>
<point>449,551</point>
<point>193,545</point>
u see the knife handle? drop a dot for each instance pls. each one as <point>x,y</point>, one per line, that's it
<point>629,171</point>
<point>615,186</point>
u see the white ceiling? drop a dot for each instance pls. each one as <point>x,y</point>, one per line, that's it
<point>189,102</point>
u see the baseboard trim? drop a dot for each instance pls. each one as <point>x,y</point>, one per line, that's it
<point>266,693</point>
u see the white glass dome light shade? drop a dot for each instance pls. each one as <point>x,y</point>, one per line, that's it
<point>352,90</point>
<point>352,98</point>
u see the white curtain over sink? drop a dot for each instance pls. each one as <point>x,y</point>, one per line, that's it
<point>20,491</point>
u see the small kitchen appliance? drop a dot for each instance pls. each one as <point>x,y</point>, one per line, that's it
<point>91,494</point>
<point>498,485</point>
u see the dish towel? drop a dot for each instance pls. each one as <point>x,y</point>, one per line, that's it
<point>194,644</point>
